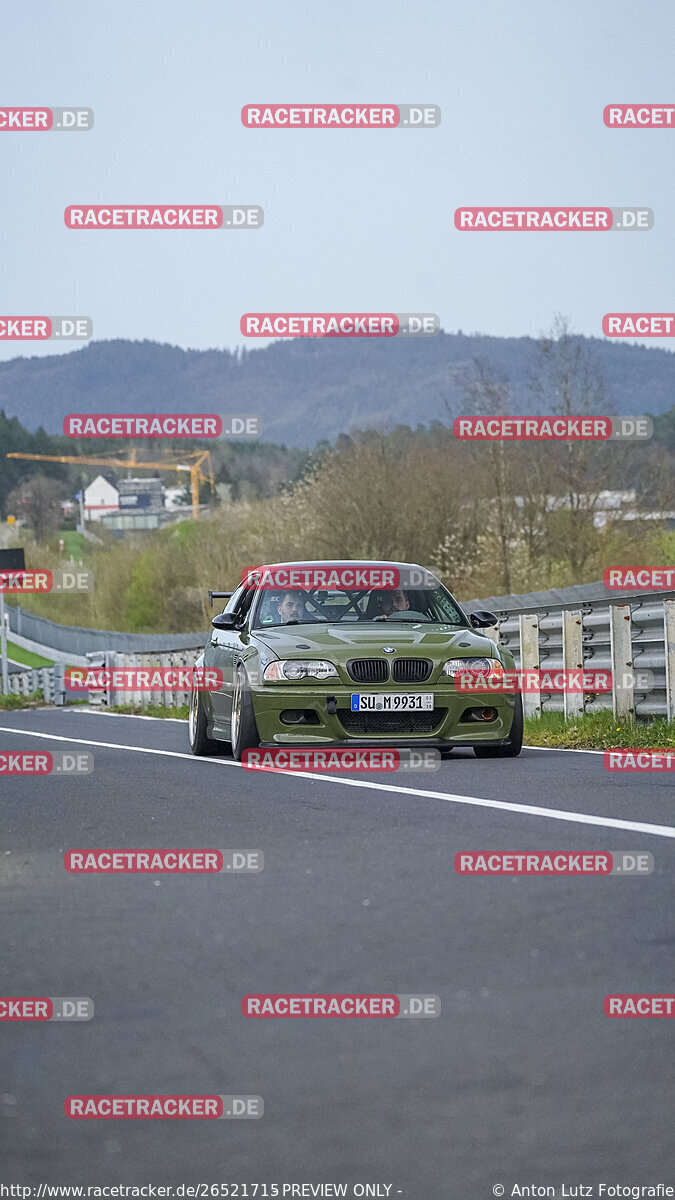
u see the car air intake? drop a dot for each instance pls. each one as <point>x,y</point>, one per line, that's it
<point>378,724</point>
<point>411,670</point>
<point>368,670</point>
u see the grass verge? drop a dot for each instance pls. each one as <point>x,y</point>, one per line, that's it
<point>597,731</point>
<point>74,542</point>
<point>27,657</point>
<point>11,701</point>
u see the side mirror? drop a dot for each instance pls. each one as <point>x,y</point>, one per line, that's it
<point>225,621</point>
<point>482,619</point>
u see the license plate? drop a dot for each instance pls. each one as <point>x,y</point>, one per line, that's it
<point>392,702</point>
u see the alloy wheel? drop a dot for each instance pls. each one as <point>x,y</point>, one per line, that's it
<point>236,710</point>
<point>192,717</point>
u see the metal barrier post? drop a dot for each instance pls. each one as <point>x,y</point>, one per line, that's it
<point>573,660</point>
<point>669,640</point>
<point>622,662</point>
<point>3,646</point>
<point>529,660</point>
<point>59,670</point>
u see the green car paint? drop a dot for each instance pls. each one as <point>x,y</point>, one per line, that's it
<point>318,712</point>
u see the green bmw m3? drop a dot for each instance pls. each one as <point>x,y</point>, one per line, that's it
<point>326,654</point>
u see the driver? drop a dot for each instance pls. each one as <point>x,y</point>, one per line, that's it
<point>292,608</point>
<point>391,601</point>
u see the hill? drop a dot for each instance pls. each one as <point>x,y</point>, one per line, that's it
<point>306,390</point>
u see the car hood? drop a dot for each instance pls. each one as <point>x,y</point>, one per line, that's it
<point>347,641</point>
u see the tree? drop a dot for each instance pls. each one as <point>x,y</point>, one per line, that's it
<point>38,501</point>
<point>566,381</point>
<point>488,393</point>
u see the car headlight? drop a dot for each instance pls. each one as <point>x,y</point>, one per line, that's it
<point>460,666</point>
<point>299,668</point>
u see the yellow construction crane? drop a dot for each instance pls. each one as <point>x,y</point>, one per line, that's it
<point>195,468</point>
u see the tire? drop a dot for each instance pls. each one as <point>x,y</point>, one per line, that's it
<point>243,729</point>
<point>200,742</point>
<point>514,744</point>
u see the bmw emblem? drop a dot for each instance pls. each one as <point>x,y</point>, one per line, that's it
<point>388,649</point>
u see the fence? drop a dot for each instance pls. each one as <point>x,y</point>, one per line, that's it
<point>72,642</point>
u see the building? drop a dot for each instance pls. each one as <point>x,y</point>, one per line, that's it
<point>101,496</point>
<point>141,506</point>
<point>607,506</point>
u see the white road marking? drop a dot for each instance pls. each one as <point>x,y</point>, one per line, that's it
<point>532,810</point>
<point>97,712</point>
<point>54,737</point>
<point>550,749</point>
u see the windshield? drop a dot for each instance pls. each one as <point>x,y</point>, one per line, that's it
<point>380,606</point>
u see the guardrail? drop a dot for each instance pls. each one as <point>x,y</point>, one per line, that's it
<point>51,681</point>
<point>49,652</point>
<point>628,639</point>
<point>113,660</point>
<point>73,642</point>
<point>48,680</point>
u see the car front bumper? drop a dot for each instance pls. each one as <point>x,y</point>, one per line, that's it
<point>341,728</point>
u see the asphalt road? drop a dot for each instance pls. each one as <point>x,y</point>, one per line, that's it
<point>522,1079</point>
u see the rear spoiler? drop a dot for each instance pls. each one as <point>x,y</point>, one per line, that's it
<point>219,596</point>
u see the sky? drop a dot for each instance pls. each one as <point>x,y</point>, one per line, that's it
<point>355,220</point>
